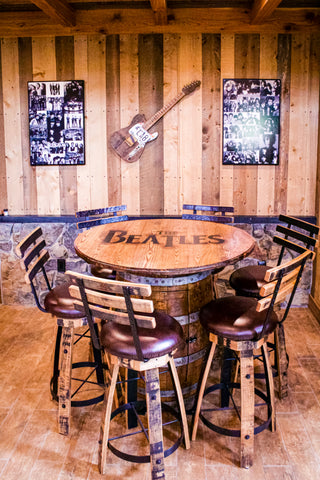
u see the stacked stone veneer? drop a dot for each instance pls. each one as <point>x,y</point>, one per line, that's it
<point>60,239</point>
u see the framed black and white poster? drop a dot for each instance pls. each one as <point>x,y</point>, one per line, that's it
<point>56,122</point>
<point>251,121</point>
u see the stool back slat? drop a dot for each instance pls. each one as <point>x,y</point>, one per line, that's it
<point>106,299</point>
<point>31,239</point>
<point>112,301</point>
<point>296,222</point>
<point>284,280</point>
<point>218,213</point>
<point>109,285</point>
<point>101,216</point>
<point>308,237</point>
<point>34,256</point>
<point>289,245</point>
<point>33,253</point>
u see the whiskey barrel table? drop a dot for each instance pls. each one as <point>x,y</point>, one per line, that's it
<point>176,257</point>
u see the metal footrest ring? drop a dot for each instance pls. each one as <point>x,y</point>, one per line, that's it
<point>227,431</point>
<point>141,405</point>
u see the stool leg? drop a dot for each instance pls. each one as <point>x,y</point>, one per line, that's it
<point>247,408</point>
<point>282,361</point>
<point>98,360</point>
<point>55,373</point>
<point>201,391</point>
<point>269,386</point>
<point>155,423</point>
<point>64,384</point>
<point>105,425</point>
<point>181,402</point>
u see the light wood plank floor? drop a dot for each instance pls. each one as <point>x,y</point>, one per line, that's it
<point>31,448</point>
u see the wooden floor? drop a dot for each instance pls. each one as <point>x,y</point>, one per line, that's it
<point>31,448</point>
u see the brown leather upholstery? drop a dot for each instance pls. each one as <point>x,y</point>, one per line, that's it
<point>59,303</point>
<point>118,340</point>
<point>235,318</point>
<point>248,280</point>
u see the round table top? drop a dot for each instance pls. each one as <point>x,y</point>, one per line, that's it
<point>163,246</point>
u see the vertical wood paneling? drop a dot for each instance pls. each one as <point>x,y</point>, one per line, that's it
<point>266,174</point>
<point>150,101</point>
<point>81,73</point>
<point>68,174</point>
<point>48,184</point>
<point>29,174</point>
<point>190,120</point>
<point>128,74</point>
<point>313,122</point>
<point>113,117</point>
<point>3,167</point>
<point>281,173</point>
<point>315,292</point>
<point>129,106</point>
<point>298,134</point>
<point>171,159</point>
<point>12,129</point>
<point>96,148</point>
<point>211,119</point>
<point>245,177</point>
<point>227,71</point>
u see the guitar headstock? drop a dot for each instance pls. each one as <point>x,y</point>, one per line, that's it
<point>191,87</point>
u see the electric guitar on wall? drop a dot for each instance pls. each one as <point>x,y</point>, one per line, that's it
<point>129,142</point>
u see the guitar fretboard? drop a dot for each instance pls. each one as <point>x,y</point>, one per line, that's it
<point>148,124</point>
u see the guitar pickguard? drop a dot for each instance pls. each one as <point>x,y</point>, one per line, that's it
<point>140,135</point>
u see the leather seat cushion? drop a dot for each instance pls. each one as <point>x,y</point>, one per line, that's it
<point>248,280</point>
<point>102,272</point>
<point>164,338</point>
<point>58,302</point>
<point>236,318</point>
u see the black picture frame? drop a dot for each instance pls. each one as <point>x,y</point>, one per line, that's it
<point>56,122</point>
<point>251,121</point>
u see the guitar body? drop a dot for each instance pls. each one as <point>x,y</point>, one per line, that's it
<point>129,142</point>
<point>121,139</point>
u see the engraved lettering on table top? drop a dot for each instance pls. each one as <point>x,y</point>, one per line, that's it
<point>163,238</point>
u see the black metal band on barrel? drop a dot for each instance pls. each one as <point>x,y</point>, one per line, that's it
<point>166,281</point>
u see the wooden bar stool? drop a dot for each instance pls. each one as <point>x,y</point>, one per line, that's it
<point>209,213</point>
<point>136,337</point>
<point>243,325</point>
<point>58,302</point>
<point>247,281</point>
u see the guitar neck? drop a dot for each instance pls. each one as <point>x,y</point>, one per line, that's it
<point>148,124</point>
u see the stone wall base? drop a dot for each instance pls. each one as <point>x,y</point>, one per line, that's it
<point>60,239</point>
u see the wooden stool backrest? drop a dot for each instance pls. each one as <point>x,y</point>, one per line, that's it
<point>216,213</point>
<point>100,216</point>
<point>281,284</point>
<point>293,229</point>
<point>115,301</point>
<point>34,256</point>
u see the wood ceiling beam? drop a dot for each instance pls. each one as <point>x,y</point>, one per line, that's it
<point>262,9</point>
<point>159,8</point>
<point>180,20</point>
<point>58,10</point>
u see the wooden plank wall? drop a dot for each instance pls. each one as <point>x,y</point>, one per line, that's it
<point>127,74</point>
